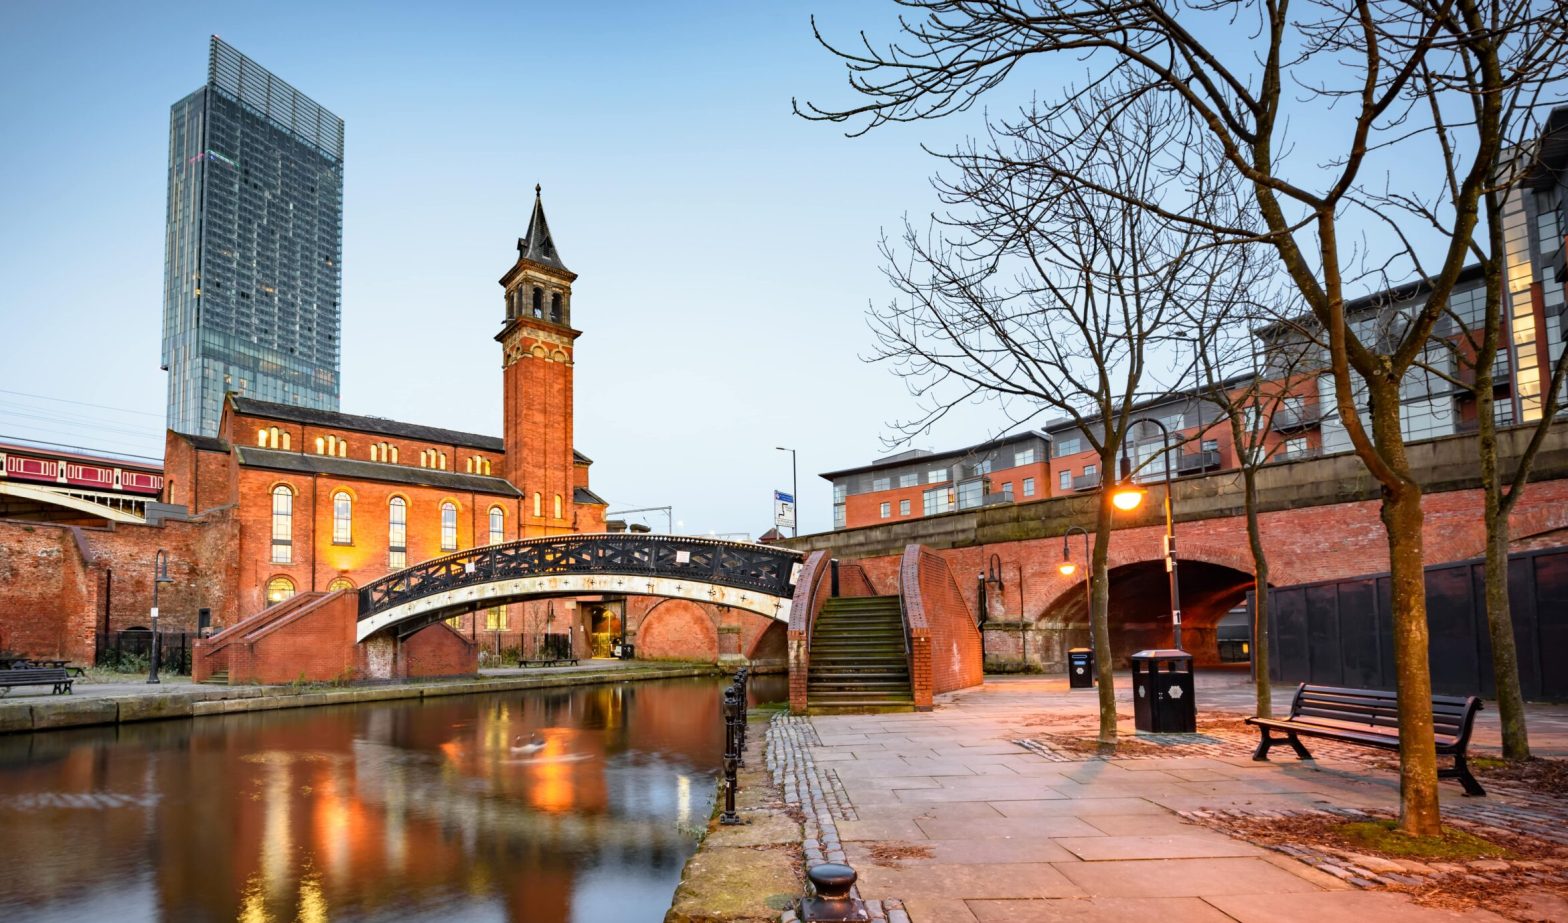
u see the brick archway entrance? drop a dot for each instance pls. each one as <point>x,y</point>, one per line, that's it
<point>1140,607</point>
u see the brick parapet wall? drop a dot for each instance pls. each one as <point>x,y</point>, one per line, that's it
<point>811,593</point>
<point>944,640</point>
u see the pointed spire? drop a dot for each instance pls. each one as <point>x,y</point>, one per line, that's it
<point>537,245</point>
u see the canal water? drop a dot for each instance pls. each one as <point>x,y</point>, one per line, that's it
<point>577,804</point>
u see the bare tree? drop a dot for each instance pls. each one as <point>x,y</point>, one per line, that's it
<point>1363,74</point>
<point>1043,295</point>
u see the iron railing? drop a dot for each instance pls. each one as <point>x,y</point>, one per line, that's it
<point>764,568</point>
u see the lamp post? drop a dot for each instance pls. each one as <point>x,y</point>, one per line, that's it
<point>1127,497</point>
<point>160,575</point>
<point>1067,567</point>
<point>794,488</point>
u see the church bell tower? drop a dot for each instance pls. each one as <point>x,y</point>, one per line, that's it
<point>537,346</point>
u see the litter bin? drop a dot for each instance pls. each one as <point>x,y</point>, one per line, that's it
<point>628,651</point>
<point>1162,697</point>
<point>1080,668</point>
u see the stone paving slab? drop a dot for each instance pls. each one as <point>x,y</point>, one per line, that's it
<point>1020,828</point>
<point>1140,824</point>
<point>969,851</point>
<point>1087,808</point>
<point>1192,845</point>
<point>947,880</point>
<point>1183,878</point>
<point>1099,910</point>
<point>1384,907</point>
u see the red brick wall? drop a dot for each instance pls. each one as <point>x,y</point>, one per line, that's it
<point>944,639</point>
<point>677,629</point>
<point>439,651</point>
<point>812,590</point>
<point>865,509</point>
<point>49,600</point>
<point>537,422</point>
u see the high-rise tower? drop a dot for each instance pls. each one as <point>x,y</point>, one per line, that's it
<point>254,245</point>
<point>536,349</point>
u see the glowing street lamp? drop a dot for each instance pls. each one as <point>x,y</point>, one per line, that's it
<point>1128,495</point>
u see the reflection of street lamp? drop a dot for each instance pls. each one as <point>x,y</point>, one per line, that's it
<point>160,574</point>
<point>1128,495</point>
<point>1067,568</point>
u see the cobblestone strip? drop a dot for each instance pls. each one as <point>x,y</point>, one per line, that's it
<point>822,800</point>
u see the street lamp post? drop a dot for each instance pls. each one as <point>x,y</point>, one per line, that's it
<point>160,575</point>
<point>1067,567</point>
<point>1127,497</point>
<point>794,489</point>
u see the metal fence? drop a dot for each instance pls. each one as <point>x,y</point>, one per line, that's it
<point>131,650</point>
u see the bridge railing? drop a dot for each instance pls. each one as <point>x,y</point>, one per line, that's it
<point>763,568</point>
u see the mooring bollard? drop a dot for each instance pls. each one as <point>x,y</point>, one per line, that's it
<point>832,904</point>
<point>731,758</point>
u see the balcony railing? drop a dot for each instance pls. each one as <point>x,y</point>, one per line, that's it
<point>1087,481</point>
<point>1290,420</point>
<point>1198,461</point>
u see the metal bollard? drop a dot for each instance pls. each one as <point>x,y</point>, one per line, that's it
<point>832,904</point>
<point>731,759</point>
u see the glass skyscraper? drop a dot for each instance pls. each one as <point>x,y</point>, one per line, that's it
<point>254,246</point>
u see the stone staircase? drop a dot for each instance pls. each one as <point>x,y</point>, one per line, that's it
<point>218,678</point>
<point>858,657</point>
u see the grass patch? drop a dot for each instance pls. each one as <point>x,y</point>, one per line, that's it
<point>1383,836</point>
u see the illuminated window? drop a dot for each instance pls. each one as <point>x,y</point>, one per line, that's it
<point>397,533</point>
<point>342,518</point>
<point>538,505</point>
<point>497,525</point>
<point>282,525</point>
<point>285,442</point>
<point>342,448</point>
<point>495,619</point>
<point>449,526</point>
<point>375,451</point>
<point>261,437</point>
<point>272,436</point>
<point>340,583</point>
<point>393,450</point>
<point>279,589</point>
<point>321,446</point>
<point>442,460</point>
<point>557,506</point>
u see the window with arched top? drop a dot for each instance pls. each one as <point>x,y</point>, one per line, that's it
<point>442,456</point>
<point>272,437</point>
<point>393,449</point>
<point>538,505</point>
<point>285,441</point>
<point>497,525</point>
<point>555,307</point>
<point>449,526</point>
<point>342,448</point>
<point>279,589</point>
<point>538,302</point>
<point>342,518</point>
<point>557,506</point>
<point>375,451</point>
<point>261,438</point>
<point>321,446</point>
<point>397,533</point>
<point>340,583</point>
<point>282,525</point>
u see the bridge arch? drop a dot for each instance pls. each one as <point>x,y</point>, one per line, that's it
<point>1213,582</point>
<point>742,575</point>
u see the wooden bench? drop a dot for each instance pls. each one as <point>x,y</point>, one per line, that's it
<point>36,676</point>
<point>65,665</point>
<point>1370,718</point>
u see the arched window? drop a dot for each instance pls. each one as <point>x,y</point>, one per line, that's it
<point>272,436</point>
<point>282,525</point>
<point>470,464</point>
<point>279,589</point>
<point>394,454</point>
<point>443,461</point>
<point>321,446</point>
<point>538,505</point>
<point>557,506</point>
<point>449,526</point>
<point>285,442</point>
<point>497,525</point>
<point>261,438</point>
<point>342,518</point>
<point>397,533</point>
<point>375,450</point>
<point>555,307</point>
<point>342,448</point>
<point>340,583</point>
<point>538,302</point>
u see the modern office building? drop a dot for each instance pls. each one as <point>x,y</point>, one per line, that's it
<point>253,249</point>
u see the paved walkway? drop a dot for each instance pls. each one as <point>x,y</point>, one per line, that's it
<point>948,813</point>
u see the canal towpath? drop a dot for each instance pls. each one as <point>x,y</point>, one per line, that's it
<point>97,703</point>
<point>972,813</point>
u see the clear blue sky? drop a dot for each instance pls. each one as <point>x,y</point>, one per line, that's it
<point>727,249</point>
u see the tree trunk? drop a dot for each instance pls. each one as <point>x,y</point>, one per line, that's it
<point>1419,812</point>
<point>1099,615</point>
<point>1500,629</point>
<point>1260,598</point>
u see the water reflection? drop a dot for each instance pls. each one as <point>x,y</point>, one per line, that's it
<point>385,811</point>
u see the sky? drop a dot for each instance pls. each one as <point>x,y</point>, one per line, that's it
<point>727,249</point>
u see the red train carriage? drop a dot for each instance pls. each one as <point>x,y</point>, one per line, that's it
<point>41,466</point>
